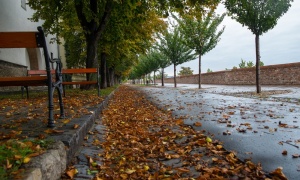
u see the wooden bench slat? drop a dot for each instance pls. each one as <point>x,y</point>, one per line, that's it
<point>79,71</point>
<point>23,81</point>
<point>39,72</point>
<point>79,82</point>
<point>18,40</point>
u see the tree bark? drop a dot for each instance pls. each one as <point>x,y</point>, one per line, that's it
<point>258,87</point>
<point>92,60</point>
<point>108,80</point>
<point>111,77</point>
<point>162,77</point>
<point>175,84</point>
<point>199,76</point>
<point>103,83</point>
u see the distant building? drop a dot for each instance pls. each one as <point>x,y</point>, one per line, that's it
<point>14,16</point>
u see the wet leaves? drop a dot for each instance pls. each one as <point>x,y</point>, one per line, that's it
<point>144,142</point>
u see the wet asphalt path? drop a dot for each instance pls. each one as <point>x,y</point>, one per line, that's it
<point>253,123</point>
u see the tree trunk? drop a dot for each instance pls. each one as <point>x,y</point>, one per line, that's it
<point>93,28</point>
<point>91,60</point>
<point>162,77</point>
<point>199,76</point>
<point>258,87</point>
<point>108,80</point>
<point>111,76</point>
<point>175,84</point>
<point>103,83</point>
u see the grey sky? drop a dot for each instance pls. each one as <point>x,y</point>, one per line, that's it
<point>279,45</point>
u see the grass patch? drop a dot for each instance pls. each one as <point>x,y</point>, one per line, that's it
<point>15,153</point>
<point>38,94</point>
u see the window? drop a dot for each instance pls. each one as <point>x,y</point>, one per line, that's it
<point>23,4</point>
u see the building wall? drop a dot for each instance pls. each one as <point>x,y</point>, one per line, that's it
<point>14,17</point>
<point>281,74</point>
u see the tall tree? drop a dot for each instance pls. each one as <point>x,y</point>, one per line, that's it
<point>200,33</point>
<point>163,62</point>
<point>173,47</point>
<point>259,16</point>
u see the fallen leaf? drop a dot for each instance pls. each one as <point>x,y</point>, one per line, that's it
<point>295,155</point>
<point>277,173</point>
<point>208,139</point>
<point>26,160</point>
<point>75,126</point>
<point>130,171</point>
<point>72,172</point>
<point>284,152</point>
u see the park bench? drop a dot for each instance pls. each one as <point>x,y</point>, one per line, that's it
<point>73,81</point>
<point>84,82</point>
<point>53,80</point>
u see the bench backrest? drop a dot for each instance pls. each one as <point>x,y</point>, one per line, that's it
<point>79,71</point>
<point>27,40</point>
<point>19,39</point>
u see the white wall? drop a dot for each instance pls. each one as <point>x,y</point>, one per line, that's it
<point>14,18</point>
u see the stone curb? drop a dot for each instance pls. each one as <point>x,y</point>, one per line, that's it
<point>52,164</point>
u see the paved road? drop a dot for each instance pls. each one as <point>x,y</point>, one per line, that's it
<point>253,122</point>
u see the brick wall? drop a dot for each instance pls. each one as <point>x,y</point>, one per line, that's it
<point>281,74</point>
<point>8,69</point>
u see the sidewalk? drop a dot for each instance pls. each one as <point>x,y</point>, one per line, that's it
<point>22,119</point>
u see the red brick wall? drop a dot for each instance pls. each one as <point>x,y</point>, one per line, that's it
<point>281,74</point>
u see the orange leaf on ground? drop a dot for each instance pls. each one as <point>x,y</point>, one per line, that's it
<point>198,124</point>
<point>72,172</point>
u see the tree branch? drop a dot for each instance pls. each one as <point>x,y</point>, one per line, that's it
<point>80,15</point>
<point>105,18</point>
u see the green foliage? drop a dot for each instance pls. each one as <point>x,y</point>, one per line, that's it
<point>120,29</point>
<point>209,70</point>
<point>185,71</point>
<point>250,64</point>
<point>75,51</point>
<point>242,64</point>
<point>173,47</point>
<point>201,34</point>
<point>261,63</point>
<point>245,64</point>
<point>259,15</point>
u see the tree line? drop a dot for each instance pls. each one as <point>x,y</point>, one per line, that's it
<point>130,38</point>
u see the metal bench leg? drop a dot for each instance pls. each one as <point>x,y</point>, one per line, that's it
<point>61,105</point>
<point>50,107</point>
<point>64,90</point>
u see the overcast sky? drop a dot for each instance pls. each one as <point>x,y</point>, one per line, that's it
<point>279,45</point>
